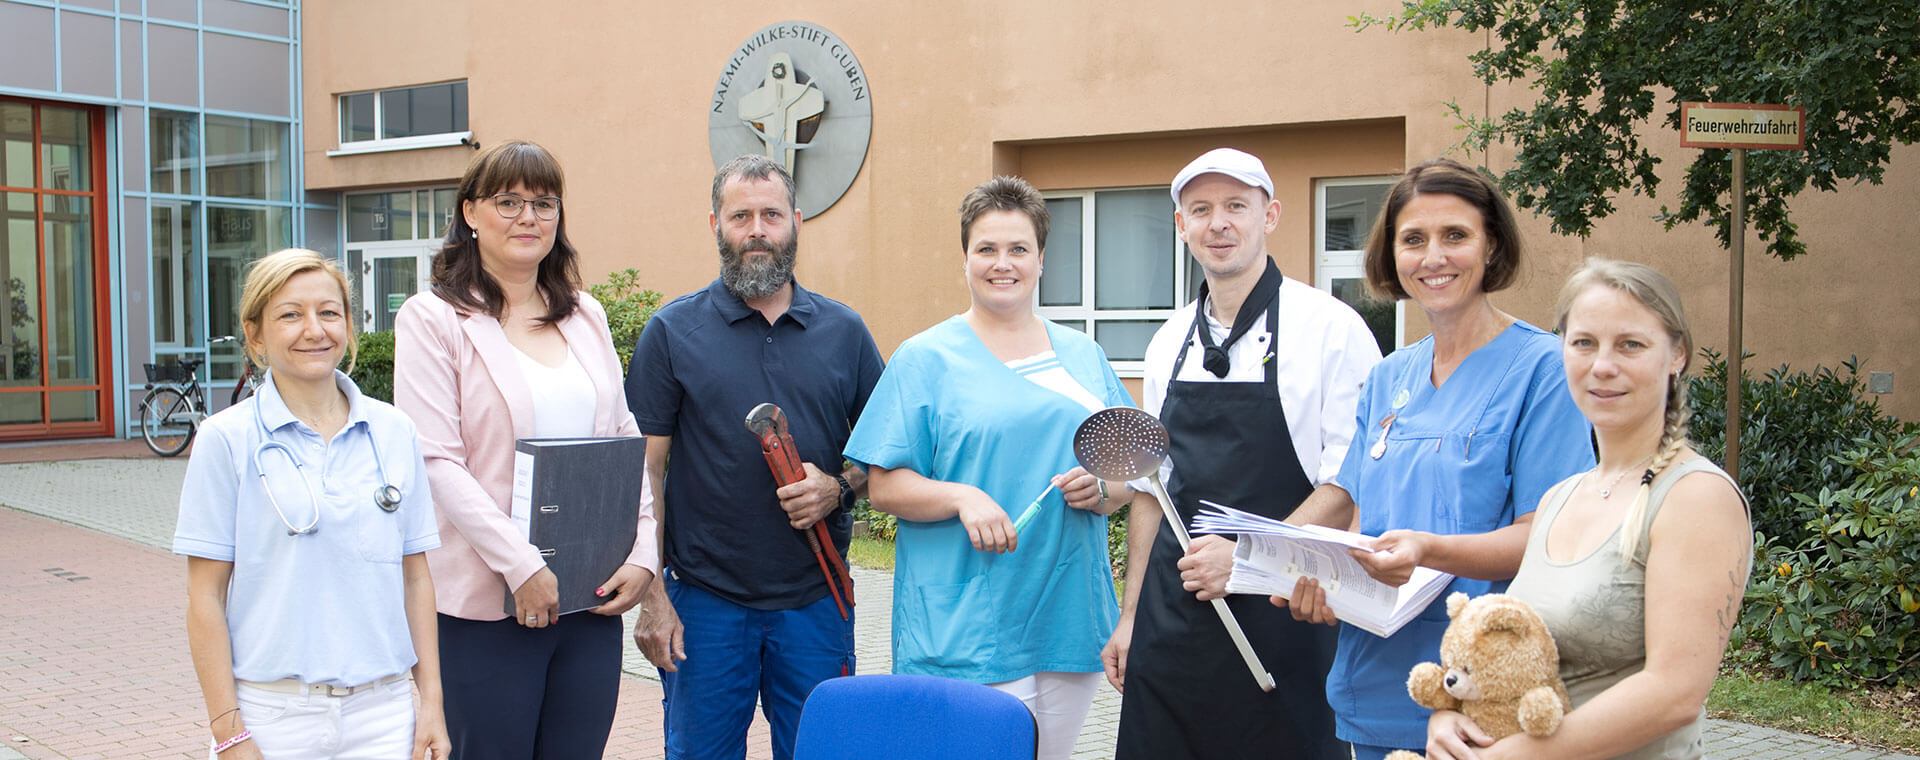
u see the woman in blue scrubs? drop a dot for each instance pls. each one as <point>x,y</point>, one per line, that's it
<point>972,419</point>
<point>1459,436</point>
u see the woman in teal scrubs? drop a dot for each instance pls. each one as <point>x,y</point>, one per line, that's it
<point>972,419</point>
<point>1459,436</point>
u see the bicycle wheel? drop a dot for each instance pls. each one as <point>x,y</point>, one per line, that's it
<point>249,380</point>
<point>166,421</point>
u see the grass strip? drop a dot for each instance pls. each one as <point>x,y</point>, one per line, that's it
<point>1879,717</point>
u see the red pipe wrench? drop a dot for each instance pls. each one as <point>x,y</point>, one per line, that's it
<point>769,424</point>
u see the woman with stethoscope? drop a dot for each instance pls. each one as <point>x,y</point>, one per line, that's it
<point>305,517</point>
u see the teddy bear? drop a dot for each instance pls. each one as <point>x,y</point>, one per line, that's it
<point>1501,669</point>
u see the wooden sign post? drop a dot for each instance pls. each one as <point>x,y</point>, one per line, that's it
<point>1739,127</point>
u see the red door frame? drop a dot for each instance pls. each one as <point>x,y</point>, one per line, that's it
<point>105,388</point>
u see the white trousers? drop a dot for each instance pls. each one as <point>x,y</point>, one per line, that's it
<point>374,724</point>
<point>1059,703</point>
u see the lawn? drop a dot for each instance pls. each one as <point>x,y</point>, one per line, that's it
<point>871,553</point>
<point>1881,716</point>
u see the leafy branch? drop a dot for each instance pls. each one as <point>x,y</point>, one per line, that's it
<point>1605,70</point>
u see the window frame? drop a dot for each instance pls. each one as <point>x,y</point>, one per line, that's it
<point>1086,312</point>
<point>1332,265</point>
<point>382,145</point>
<point>421,247</point>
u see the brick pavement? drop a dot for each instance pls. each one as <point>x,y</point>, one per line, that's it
<point>93,653</point>
<point>98,448</point>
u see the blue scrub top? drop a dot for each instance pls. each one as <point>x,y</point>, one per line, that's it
<point>947,409</point>
<point>1467,457</point>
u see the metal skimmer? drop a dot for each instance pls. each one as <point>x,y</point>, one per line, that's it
<point>1121,443</point>
<point>1124,443</point>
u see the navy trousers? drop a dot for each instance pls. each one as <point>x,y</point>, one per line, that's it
<point>515,693</point>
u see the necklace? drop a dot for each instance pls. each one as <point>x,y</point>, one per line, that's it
<point>1607,492</point>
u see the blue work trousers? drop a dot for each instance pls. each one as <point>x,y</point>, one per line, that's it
<point>736,655</point>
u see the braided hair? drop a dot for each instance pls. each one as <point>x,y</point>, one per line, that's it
<point>1657,293</point>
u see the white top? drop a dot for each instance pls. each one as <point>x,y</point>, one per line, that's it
<point>563,396</point>
<point>327,606</point>
<point>1044,369</point>
<point>1324,354</point>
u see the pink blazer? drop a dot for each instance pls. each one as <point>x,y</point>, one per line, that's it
<point>457,377</point>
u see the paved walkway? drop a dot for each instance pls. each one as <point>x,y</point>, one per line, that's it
<point>93,651</point>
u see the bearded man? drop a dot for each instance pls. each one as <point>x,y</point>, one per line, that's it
<point>744,613</point>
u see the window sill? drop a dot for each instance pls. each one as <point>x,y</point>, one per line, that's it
<point>402,143</point>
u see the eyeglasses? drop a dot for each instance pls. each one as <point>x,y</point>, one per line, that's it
<point>545,207</point>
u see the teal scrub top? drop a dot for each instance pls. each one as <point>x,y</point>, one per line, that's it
<point>947,409</point>
<point>1467,457</point>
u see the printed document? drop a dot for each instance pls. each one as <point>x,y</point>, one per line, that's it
<point>1272,555</point>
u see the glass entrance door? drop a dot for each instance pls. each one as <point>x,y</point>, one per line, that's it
<point>389,273</point>
<point>53,331</point>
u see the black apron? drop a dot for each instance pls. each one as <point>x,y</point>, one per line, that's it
<point>1188,693</point>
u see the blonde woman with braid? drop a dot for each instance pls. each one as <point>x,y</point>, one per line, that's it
<point>1638,565</point>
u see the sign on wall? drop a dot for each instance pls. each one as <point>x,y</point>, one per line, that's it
<point>795,93</point>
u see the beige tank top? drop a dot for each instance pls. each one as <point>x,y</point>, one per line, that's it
<point>1596,607</point>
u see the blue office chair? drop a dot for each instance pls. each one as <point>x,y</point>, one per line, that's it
<point>906,717</point>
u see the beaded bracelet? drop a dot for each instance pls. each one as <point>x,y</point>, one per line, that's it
<point>229,743</point>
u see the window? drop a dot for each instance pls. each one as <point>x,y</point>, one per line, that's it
<point>175,147</point>
<point>391,239</point>
<point>175,273</point>
<point>248,158</point>
<point>1344,211</point>
<point>425,116</point>
<point>1115,269</point>
<point>53,336</point>
<point>400,215</point>
<point>236,235</point>
<point>231,179</point>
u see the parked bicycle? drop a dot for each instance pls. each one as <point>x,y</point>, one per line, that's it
<point>175,403</point>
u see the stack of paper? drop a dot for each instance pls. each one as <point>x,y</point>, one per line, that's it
<point>1272,555</point>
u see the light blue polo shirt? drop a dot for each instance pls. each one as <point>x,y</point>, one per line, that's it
<point>325,607</point>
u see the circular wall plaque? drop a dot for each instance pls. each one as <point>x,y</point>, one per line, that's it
<point>795,93</point>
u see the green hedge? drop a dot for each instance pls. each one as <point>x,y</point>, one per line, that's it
<point>1792,426</point>
<point>1842,606</point>
<point>1833,484</point>
<point>373,370</point>
<point>880,525</point>
<point>629,306</point>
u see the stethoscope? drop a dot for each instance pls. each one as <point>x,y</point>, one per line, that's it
<point>386,495</point>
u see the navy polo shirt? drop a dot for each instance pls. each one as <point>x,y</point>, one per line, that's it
<point>702,363</point>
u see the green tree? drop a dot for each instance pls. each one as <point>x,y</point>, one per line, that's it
<point>1602,68</point>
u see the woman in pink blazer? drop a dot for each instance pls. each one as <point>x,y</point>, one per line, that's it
<point>506,347</point>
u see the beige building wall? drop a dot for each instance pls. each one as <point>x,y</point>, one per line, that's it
<point>1071,95</point>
